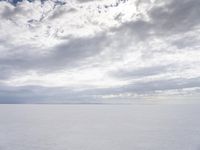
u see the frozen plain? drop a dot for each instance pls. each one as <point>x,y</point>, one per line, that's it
<point>100,127</point>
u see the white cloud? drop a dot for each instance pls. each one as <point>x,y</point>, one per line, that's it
<point>98,49</point>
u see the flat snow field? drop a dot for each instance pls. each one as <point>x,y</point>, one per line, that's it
<point>100,127</point>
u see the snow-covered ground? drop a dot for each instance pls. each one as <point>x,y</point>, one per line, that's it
<point>100,127</point>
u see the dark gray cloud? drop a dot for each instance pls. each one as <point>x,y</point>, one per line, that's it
<point>10,12</point>
<point>78,49</point>
<point>65,55</point>
<point>164,85</point>
<point>6,72</point>
<point>142,72</point>
<point>177,16</point>
<point>187,42</point>
<point>147,87</point>
<point>39,94</point>
<point>83,1</point>
<point>59,12</point>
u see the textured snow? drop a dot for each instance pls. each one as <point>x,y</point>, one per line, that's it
<point>100,127</point>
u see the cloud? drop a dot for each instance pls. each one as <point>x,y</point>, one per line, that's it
<point>64,55</point>
<point>39,94</point>
<point>149,87</point>
<point>73,53</point>
<point>174,17</point>
<point>142,72</point>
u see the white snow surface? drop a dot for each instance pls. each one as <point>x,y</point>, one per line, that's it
<point>100,127</point>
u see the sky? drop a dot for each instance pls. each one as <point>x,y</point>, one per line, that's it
<point>99,51</point>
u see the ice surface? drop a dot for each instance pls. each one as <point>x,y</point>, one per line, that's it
<point>100,127</point>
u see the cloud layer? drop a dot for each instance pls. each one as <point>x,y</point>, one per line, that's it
<point>99,51</point>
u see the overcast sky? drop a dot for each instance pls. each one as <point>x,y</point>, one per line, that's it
<point>99,51</point>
